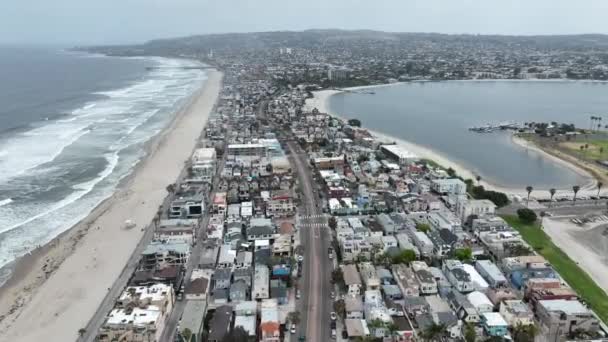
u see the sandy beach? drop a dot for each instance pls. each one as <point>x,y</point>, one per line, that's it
<point>57,289</point>
<point>320,101</point>
<point>586,245</point>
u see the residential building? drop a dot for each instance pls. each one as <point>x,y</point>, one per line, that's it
<point>270,323</point>
<point>457,276</point>
<point>491,273</point>
<point>159,254</point>
<point>406,280</point>
<point>261,282</point>
<point>560,317</point>
<point>352,279</point>
<point>516,312</point>
<point>220,324</point>
<point>479,208</point>
<point>449,186</point>
<point>369,276</point>
<point>494,324</point>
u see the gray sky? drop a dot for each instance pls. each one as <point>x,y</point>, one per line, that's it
<point>125,21</point>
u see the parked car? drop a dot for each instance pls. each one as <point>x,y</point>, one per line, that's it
<point>333,334</point>
<point>332,295</point>
<point>333,316</point>
<point>298,294</point>
<point>293,328</point>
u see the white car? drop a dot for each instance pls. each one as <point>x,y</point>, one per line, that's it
<point>293,328</point>
<point>333,316</point>
<point>300,258</point>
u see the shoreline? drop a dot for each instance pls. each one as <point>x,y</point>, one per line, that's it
<point>61,284</point>
<point>320,101</point>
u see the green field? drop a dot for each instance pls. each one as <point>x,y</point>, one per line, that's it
<point>578,279</point>
<point>592,149</point>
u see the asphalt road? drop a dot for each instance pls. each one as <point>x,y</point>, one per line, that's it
<point>315,283</point>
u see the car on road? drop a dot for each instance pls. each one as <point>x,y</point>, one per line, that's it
<point>333,325</point>
<point>332,295</point>
<point>293,328</point>
<point>298,294</point>
<point>300,257</point>
<point>333,316</point>
<point>333,333</point>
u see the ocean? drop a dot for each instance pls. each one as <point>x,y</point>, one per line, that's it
<point>72,125</point>
<point>437,115</point>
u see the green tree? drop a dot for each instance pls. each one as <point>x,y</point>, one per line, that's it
<point>552,192</point>
<point>451,172</point>
<point>464,254</point>
<point>526,215</point>
<point>340,307</point>
<point>524,333</point>
<point>469,333</point>
<point>423,227</point>
<point>354,122</point>
<point>186,335</point>
<point>432,332</point>
<point>294,317</point>
<point>406,256</point>
<point>599,187</point>
<point>529,191</point>
<point>332,223</point>
<point>575,188</point>
<point>81,332</point>
<point>337,277</point>
<point>170,188</point>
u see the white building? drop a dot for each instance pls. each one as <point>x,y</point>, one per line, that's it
<point>450,186</point>
<point>400,154</point>
<point>261,282</point>
<point>203,164</point>
<point>466,208</point>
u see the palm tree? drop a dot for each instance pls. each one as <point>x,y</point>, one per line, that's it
<point>552,192</point>
<point>432,332</point>
<point>599,125</point>
<point>478,178</point>
<point>294,317</point>
<point>524,333</point>
<point>529,190</point>
<point>81,332</point>
<point>599,187</point>
<point>575,188</point>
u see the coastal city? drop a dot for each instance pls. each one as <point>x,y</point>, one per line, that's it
<point>289,223</point>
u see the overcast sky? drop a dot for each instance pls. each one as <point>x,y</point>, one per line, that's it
<point>127,21</point>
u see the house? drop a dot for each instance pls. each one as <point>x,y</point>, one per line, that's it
<point>227,257</point>
<point>479,208</point>
<point>198,288</point>
<point>222,278</point>
<point>491,273</point>
<point>239,291</point>
<point>352,279</point>
<point>270,323</point>
<point>159,254</point>
<point>480,302</point>
<point>479,284</point>
<point>424,244</point>
<point>246,316</point>
<point>427,284</point>
<point>278,291</point>
<point>494,324</point>
<point>260,229</point>
<point>559,317</point>
<point>282,246</point>
<point>368,274</point>
<point>444,219</point>
<point>449,186</point>
<point>516,312</point>
<point>356,328</point>
<point>219,326</point>
<point>242,273</point>
<point>219,205</point>
<point>415,305</point>
<point>443,242</point>
<point>353,307</point>
<point>406,280</point>
<point>261,282</point>
<point>281,204</point>
<point>463,308</point>
<point>399,154</point>
<point>457,276</point>
<point>140,313</point>
<point>192,319</point>
<point>187,206</point>
<point>203,163</point>
<point>376,310</point>
<point>392,292</point>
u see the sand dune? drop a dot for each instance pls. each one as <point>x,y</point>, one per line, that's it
<point>84,262</point>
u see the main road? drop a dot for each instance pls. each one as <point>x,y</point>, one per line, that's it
<point>315,287</point>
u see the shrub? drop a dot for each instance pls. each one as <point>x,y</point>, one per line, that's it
<point>526,215</point>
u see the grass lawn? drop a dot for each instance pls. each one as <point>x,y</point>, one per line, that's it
<point>578,279</point>
<point>597,149</point>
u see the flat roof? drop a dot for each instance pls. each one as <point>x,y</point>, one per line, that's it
<point>193,316</point>
<point>570,307</point>
<point>494,319</point>
<point>400,151</point>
